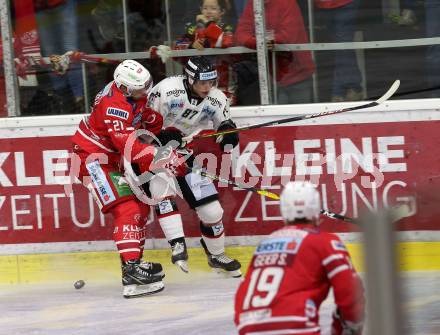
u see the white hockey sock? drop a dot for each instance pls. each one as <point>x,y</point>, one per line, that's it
<point>172,226</point>
<point>215,245</point>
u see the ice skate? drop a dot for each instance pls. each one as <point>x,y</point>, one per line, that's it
<point>155,269</point>
<point>179,254</point>
<point>137,282</point>
<point>222,263</point>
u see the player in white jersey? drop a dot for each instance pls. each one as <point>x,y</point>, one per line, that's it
<point>188,103</point>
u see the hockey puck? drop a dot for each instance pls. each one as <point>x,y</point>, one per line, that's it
<point>79,284</point>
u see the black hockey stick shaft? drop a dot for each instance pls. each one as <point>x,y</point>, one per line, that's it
<point>265,193</point>
<point>377,102</point>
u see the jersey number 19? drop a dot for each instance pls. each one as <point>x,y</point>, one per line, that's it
<point>263,286</point>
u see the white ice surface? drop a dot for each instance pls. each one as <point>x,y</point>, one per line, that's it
<point>197,303</point>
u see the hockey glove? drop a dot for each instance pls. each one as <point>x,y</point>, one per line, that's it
<point>152,121</point>
<point>345,327</point>
<point>231,139</point>
<point>168,159</point>
<point>170,134</point>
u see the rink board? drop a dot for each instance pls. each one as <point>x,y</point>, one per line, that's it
<point>104,266</point>
<point>400,140</point>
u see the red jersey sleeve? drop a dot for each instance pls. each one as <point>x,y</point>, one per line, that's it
<point>119,123</point>
<point>346,283</point>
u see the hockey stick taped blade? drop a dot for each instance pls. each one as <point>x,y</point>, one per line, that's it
<point>389,93</point>
<point>269,194</point>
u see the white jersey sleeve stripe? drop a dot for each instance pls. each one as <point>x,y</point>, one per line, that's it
<point>335,271</point>
<point>332,258</point>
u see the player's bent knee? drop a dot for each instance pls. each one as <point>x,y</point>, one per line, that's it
<point>211,213</point>
<point>162,186</point>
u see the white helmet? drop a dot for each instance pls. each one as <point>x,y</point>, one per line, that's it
<point>134,76</point>
<point>300,200</point>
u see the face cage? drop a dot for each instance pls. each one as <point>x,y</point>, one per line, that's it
<point>146,90</point>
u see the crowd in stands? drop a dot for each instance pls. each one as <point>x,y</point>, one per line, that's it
<point>43,28</point>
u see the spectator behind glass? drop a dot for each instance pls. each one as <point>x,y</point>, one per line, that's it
<point>146,24</point>
<point>58,32</point>
<point>209,31</point>
<point>293,69</point>
<point>340,18</point>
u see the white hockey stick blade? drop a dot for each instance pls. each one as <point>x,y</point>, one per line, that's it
<point>389,93</point>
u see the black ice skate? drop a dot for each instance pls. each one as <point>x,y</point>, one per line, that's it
<point>179,254</point>
<point>154,269</point>
<point>138,282</point>
<point>222,263</point>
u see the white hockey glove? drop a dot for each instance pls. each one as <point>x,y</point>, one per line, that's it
<point>162,51</point>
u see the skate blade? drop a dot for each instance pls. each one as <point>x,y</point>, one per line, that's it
<point>183,265</point>
<point>227,274</point>
<point>134,291</point>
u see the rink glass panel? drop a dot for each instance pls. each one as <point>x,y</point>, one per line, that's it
<point>122,27</point>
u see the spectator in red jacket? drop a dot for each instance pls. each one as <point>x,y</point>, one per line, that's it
<point>293,69</point>
<point>340,18</point>
<point>211,31</point>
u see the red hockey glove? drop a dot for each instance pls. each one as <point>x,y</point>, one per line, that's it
<point>152,121</point>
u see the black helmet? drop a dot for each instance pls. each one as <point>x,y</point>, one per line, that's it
<point>200,68</point>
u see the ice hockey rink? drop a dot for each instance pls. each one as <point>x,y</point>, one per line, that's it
<point>196,303</point>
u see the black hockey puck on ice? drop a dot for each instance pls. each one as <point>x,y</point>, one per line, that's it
<point>79,284</point>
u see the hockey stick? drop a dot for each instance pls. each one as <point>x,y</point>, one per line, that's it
<point>265,193</point>
<point>58,63</point>
<point>377,102</point>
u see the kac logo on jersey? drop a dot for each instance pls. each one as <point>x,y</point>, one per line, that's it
<point>175,92</point>
<point>119,113</point>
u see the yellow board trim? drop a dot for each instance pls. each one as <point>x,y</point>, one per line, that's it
<point>104,266</point>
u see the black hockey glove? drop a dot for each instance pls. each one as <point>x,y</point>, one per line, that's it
<point>231,139</point>
<point>169,134</point>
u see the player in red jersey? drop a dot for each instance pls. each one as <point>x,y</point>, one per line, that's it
<point>292,271</point>
<point>105,138</point>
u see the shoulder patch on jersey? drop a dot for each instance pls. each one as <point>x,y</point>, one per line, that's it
<point>137,119</point>
<point>119,113</point>
<point>288,245</point>
<point>338,245</point>
<point>155,95</point>
<point>214,101</point>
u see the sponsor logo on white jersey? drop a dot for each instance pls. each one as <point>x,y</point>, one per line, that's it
<point>214,101</point>
<point>176,92</point>
<point>119,113</point>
